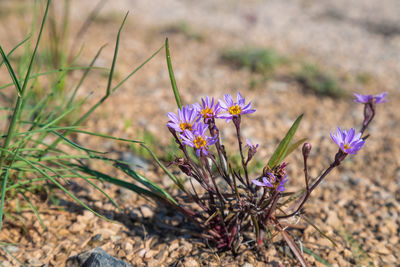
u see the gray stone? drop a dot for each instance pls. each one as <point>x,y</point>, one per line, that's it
<point>94,258</point>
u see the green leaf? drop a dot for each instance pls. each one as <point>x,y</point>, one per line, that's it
<point>146,182</point>
<point>172,76</point>
<point>137,189</point>
<point>282,150</point>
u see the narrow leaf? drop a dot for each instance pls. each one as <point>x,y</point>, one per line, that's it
<point>316,256</point>
<point>294,146</point>
<point>293,247</point>
<point>172,76</point>
<point>282,149</point>
<point>146,182</point>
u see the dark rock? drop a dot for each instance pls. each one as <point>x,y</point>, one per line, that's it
<point>94,258</point>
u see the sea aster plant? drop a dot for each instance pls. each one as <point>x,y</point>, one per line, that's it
<point>234,109</point>
<point>208,110</point>
<point>198,139</point>
<point>185,119</point>
<point>349,142</point>
<point>364,99</point>
<point>271,181</point>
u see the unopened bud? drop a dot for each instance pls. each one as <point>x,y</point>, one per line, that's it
<point>306,149</point>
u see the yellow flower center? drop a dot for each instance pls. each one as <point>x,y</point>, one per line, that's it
<point>206,112</point>
<point>235,110</point>
<point>199,142</point>
<point>346,146</point>
<point>185,126</point>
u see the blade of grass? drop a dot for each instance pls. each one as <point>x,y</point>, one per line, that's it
<point>146,182</point>
<point>89,182</point>
<point>42,172</point>
<point>172,76</point>
<point>20,101</point>
<point>162,166</point>
<point>316,256</point>
<point>71,100</point>
<point>293,247</point>
<point>15,48</point>
<point>33,208</point>
<point>34,76</point>
<point>110,77</point>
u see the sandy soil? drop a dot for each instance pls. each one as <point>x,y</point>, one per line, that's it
<point>358,206</point>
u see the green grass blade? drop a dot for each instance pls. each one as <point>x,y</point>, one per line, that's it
<point>71,170</point>
<point>89,68</point>
<point>11,71</point>
<point>135,70</point>
<point>162,166</point>
<point>110,77</point>
<point>319,230</point>
<point>42,172</point>
<point>172,76</point>
<point>137,189</point>
<point>73,144</point>
<point>146,182</point>
<point>15,48</point>
<point>103,135</point>
<point>316,256</point>
<point>3,193</point>
<point>282,149</point>
<point>35,211</point>
<point>34,76</point>
<point>28,72</point>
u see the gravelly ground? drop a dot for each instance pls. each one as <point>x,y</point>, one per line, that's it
<point>359,204</point>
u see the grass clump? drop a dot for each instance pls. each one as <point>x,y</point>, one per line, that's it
<point>315,80</point>
<point>258,60</point>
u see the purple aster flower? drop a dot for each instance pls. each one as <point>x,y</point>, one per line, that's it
<point>207,110</point>
<point>349,142</point>
<point>272,182</point>
<point>234,109</point>
<point>198,139</point>
<point>185,119</point>
<point>364,99</point>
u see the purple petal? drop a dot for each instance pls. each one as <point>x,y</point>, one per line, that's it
<point>258,183</point>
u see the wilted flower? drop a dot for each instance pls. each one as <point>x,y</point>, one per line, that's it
<point>252,149</point>
<point>272,182</point>
<point>198,139</point>
<point>208,110</point>
<point>364,99</point>
<point>185,119</point>
<point>349,142</point>
<point>234,109</point>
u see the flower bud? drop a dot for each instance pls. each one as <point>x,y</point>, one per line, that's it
<point>306,150</point>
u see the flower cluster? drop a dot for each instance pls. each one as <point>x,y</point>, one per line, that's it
<point>192,121</point>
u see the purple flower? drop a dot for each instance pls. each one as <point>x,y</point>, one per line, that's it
<point>364,99</point>
<point>198,139</point>
<point>349,142</point>
<point>207,110</point>
<point>234,109</point>
<point>272,182</point>
<point>185,119</point>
